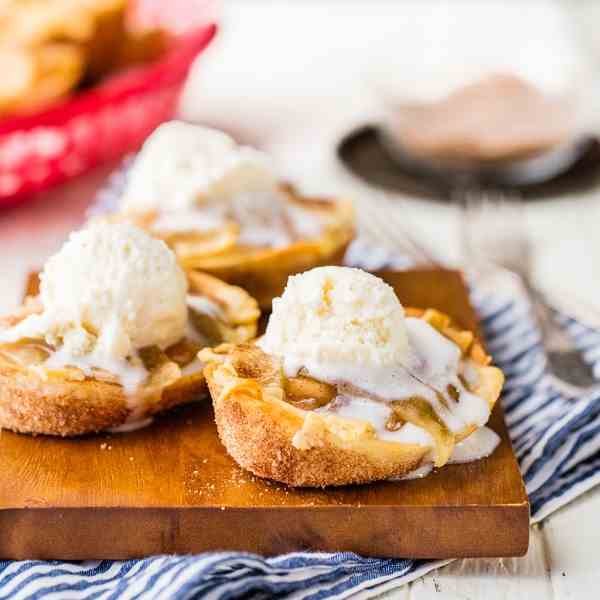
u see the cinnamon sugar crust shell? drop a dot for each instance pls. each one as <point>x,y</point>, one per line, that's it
<point>271,437</point>
<point>62,407</point>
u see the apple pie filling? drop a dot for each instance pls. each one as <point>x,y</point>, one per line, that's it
<point>427,401</point>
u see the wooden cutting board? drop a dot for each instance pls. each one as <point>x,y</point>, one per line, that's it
<point>171,488</point>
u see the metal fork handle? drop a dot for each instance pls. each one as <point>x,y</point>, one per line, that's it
<point>553,336</point>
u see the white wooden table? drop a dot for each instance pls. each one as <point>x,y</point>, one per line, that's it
<point>283,81</point>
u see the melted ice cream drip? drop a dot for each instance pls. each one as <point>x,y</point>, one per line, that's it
<point>204,306</point>
<point>265,219</point>
<point>131,373</point>
<point>433,368</point>
<point>480,444</point>
<point>418,473</point>
<point>130,425</point>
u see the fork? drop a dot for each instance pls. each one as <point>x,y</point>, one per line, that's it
<point>509,248</point>
<point>382,223</point>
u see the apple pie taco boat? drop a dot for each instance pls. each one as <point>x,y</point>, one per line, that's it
<point>270,425</point>
<point>68,401</point>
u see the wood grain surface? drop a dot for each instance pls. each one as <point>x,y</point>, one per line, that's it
<point>172,488</point>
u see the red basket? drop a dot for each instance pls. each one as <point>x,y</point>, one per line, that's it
<point>38,151</point>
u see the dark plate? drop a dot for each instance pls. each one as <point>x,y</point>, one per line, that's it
<point>365,155</point>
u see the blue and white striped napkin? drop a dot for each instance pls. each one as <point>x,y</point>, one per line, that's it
<point>557,441</point>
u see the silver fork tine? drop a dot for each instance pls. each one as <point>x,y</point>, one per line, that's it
<point>384,226</point>
<point>373,231</point>
<point>478,208</point>
<point>381,234</point>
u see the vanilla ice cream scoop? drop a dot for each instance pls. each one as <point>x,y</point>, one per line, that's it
<point>109,291</point>
<point>182,165</point>
<point>337,317</point>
